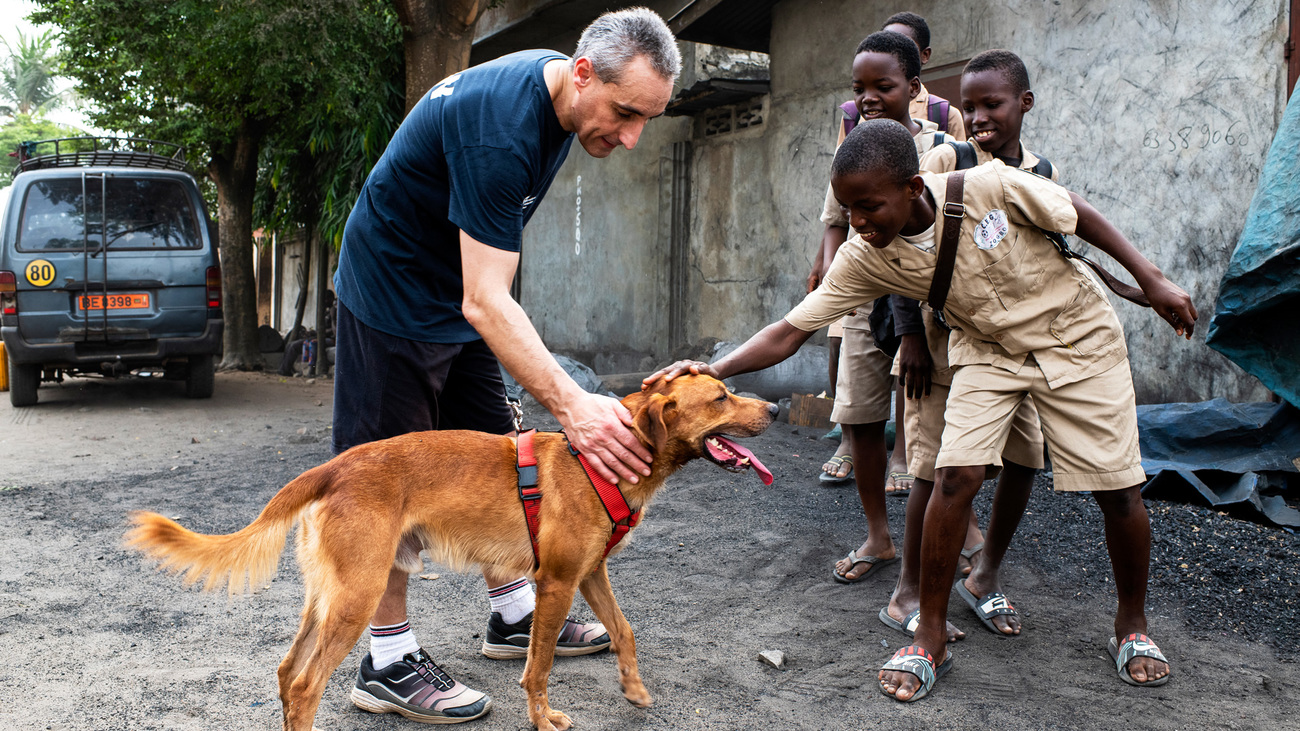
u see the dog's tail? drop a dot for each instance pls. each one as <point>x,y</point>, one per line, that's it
<point>249,555</point>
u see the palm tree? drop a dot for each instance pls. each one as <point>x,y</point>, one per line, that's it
<point>28,76</point>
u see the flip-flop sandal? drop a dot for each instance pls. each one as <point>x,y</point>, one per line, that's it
<point>876,563</point>
<point>969,555</point>
<point>830,479</point>
<point>907,626</point>
<point>988,606</point>
<point>915,660</point>
<point>1137,645</point>
<point>900,491</point>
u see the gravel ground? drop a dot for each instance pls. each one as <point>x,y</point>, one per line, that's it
<point>721,569</point>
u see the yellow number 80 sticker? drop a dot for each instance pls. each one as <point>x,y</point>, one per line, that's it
<point>40,273</point>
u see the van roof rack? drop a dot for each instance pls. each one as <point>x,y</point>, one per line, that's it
<point>96,151</point>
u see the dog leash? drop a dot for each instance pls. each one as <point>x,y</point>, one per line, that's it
<point>624,518</point>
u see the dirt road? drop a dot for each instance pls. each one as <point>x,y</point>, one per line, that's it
<point>722,569</point>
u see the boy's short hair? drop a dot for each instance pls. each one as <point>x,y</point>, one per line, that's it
<point>897,45</point>
<point>878,145</point>
<point>913,21</point>
<point>1004,62</point>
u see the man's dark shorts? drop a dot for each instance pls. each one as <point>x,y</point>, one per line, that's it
<point>385,386</point>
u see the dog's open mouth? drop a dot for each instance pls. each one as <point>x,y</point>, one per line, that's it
<point>733,457</point>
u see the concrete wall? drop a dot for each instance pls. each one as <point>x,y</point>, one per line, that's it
<point>1158,113</point>
<point>1113,88</point>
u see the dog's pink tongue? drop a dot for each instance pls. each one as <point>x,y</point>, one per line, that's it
<point>764,473</point>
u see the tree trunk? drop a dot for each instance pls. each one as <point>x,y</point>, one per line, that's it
<point>322,317</point>
<point>437,36</point>
<point>234,170</point>
<point>309,244</point>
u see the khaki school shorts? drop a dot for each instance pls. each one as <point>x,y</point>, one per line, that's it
<point>1090,425</point>
<point>924,422</point>
<point>863,387</point>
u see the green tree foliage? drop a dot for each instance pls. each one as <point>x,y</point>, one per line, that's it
<point>27,129</point>
<point>28,84</point>
<point>220,77</point>
<point>312,173</point>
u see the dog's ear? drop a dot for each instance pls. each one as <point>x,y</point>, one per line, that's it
<point>649,420</point>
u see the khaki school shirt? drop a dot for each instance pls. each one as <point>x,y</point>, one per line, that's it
<point>832,214</point>
<point>943,159</point>
<point>917,109</point>
<point>1013,295</point>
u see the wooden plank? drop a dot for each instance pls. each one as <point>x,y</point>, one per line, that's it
<point>809,410</point>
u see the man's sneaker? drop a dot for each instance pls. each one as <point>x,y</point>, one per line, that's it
<point>418,689</point>
<point>509,641</point>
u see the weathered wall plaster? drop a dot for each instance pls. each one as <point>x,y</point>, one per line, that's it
<point>1158,113</point>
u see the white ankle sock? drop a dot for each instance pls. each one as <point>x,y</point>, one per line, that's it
<point>389,644</point>
<point>514,600</point>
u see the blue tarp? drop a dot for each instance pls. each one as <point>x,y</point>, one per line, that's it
<point>1225,455</point>
<point>1256,321</point>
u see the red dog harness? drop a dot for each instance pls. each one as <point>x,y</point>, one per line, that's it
<point>531,497</point>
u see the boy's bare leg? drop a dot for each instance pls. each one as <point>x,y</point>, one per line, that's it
<point>840,470</point>
<point>868,443</point>
<point>972,545</point>
<point>1009,504</point>
<point>907,592</point>
<point>946,515</point>
<point>1128,540</point>
<point>898,458</point>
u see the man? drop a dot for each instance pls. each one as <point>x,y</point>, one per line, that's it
<point>425,311</point>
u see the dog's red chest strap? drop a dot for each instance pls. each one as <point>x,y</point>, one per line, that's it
<point>610,496</point>
<point>529,495</point>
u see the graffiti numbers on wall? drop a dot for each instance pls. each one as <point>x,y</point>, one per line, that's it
<point>577,222</point>
<point>1195,137</point>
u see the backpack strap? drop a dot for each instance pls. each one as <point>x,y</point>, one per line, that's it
<point>939,139</point>
<point>1127,291</point>
<point>1043,168</point>
<point>936,110</point>
<point>954,210</point>
<point>850,110</point>
<point>965,154</point>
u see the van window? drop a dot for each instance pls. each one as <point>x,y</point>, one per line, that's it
<point>143,213</point>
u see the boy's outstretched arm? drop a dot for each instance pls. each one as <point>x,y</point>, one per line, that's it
<point>1167,299</point>
<point>767,347</point>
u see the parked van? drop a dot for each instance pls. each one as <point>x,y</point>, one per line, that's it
<point>108,266</point>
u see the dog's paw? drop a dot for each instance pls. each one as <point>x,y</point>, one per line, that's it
<point>554,720</point>
<point>637,695</point>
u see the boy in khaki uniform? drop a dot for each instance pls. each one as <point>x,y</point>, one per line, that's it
<point>995,97</point>
<point>1027,322</point>
<point>886,74</point>
<point>914,26</point>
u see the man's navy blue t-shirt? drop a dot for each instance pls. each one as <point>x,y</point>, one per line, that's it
<point>477,153</point>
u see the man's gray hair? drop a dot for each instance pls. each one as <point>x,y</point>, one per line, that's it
<point>615,38</point>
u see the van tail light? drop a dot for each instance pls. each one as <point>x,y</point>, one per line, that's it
<point>8,293</point>
<point>213,281</point>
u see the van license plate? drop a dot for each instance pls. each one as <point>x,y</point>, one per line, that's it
<point>114,301</point>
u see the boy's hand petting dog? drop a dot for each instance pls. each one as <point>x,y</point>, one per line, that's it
<point>680,368</point>
<point>914,366</point>
<point>1172,303</point>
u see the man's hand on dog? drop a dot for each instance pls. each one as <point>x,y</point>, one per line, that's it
<point>680,368</point>
<point>599,427</point>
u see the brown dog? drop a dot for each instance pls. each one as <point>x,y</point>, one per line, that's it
<point>456,492</point>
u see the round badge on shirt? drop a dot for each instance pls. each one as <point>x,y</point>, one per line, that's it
<point>991,230</point>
